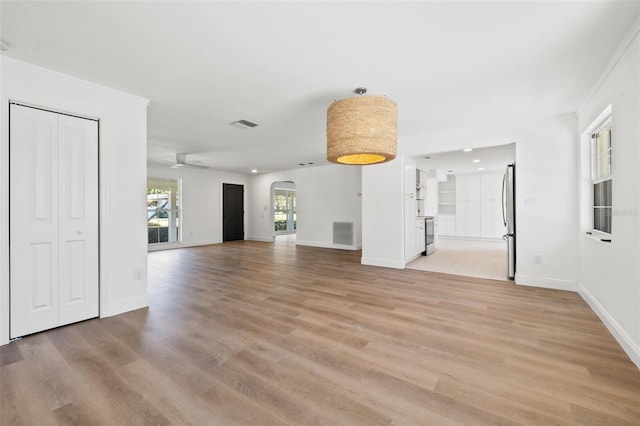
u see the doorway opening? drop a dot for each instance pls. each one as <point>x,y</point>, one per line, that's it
<point>232,212</point>
<point>467,202</point>
<point>284,200</point>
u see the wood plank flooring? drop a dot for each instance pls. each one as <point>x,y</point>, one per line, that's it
<point>250,333</point>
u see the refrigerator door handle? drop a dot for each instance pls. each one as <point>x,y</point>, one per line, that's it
<point>504,216</point>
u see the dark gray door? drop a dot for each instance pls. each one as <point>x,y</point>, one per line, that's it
<point>232,212</point>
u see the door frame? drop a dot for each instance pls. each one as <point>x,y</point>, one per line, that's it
<point>221,204</point>
<point>5,226</point>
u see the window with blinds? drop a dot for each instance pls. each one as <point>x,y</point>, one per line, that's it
<point>601,175</point>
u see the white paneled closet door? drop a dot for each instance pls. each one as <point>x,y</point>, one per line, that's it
<point>53,219</point>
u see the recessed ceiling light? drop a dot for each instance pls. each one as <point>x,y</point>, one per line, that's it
<point>476,161</point>
<point>467,149</point>
<point>254,171</point>
<point>427,158</point>
<point>301,164</point>
<point>310,163</point>
<point>449,171</point>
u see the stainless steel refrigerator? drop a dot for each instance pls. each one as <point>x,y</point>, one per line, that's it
<point>509,217</point>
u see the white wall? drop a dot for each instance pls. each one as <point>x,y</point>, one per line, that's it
<point>201,220</point>
<point>123,172</point>
<point>609,277</point>
<point>546,198</point>
<point>383,195</point>
<point>323,195</point>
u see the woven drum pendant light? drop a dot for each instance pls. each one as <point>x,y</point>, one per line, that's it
<point>362,130</point>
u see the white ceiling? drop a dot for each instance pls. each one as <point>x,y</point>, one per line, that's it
<point>491,159</point>
<point>280,64</point>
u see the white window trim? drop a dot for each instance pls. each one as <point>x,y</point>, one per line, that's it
<point>604,119</point>
<point>606,123</point>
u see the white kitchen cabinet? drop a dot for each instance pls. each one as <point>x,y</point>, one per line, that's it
<point>478,205</point>
<point>447,225</point>
<point>468,211</point>
<point>420,236</point>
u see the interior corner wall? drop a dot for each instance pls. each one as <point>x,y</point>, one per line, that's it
<point>324,194</point>
<point>201,198</point>
<point>609,276</point>
<point>122,174</point>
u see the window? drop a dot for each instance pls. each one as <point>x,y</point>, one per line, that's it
<point>601,177</point>
<point>163,211</point>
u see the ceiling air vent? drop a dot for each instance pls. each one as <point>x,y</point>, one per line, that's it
<point>244,124</point>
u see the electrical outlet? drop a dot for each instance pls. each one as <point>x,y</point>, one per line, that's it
<point>137,274</point>
<point>537,259</point>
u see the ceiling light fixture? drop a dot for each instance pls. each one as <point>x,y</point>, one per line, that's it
<point>476,161</point>
<point>362,130</point>
<point>467,150</point>
<point>254,171</point>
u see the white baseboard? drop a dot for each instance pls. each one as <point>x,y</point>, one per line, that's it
<point>171,246</point>
<point>125,306</point>
<point>630,347</point>
<point>385,263</point>
<point>407,261</point>
<point>327,245</point>
<point>455,237</point>
<point>261,239</point>
<point>551,283</point>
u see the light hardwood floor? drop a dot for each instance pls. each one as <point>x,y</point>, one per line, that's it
<point>254,333</point>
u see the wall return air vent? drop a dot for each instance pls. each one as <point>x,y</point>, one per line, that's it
<point>244,124</point>
<point>343,233</point>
